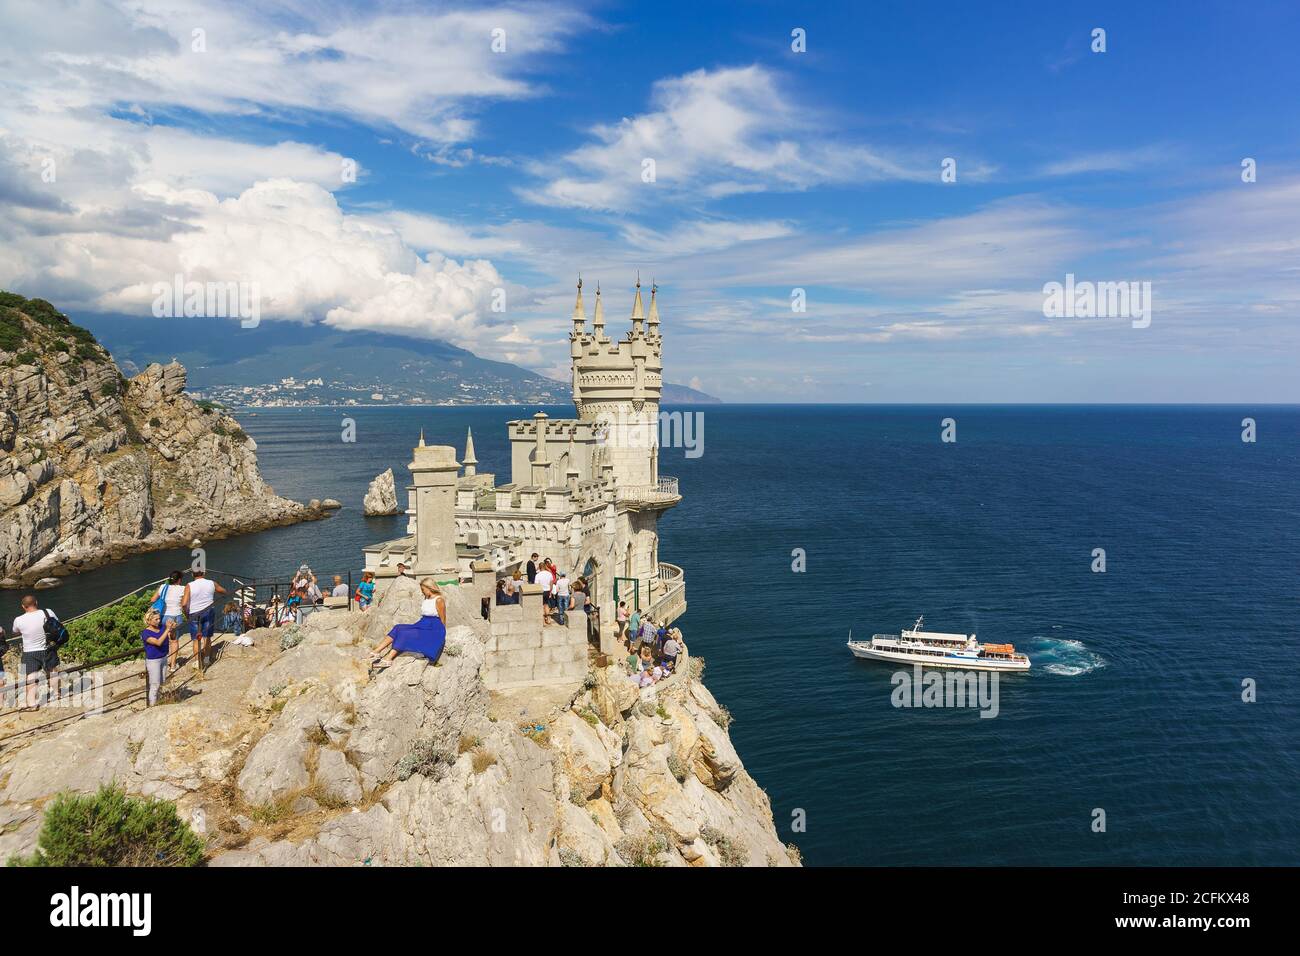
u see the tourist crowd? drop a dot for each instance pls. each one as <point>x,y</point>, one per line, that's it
<point>653,649</point>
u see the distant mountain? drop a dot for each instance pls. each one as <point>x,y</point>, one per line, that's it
<point>327,365</point>
<point>682,395</point>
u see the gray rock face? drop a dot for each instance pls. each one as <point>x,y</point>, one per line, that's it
<point>276,767</point>
<point>381,496</point>
<point>93,468</point>
<point>416,764</point>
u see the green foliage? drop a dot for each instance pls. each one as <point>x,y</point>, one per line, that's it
<point>110,630</point>
<point>12,337</point>
<point>108,390</point>
<point>112,829</point>
<point>25,357</point>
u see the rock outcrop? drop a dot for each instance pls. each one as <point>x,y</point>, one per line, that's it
<point>302,757</point>
<point>94,466</point>
<point>381,496</point>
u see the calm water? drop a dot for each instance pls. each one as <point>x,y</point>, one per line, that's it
<point>1134,703</point>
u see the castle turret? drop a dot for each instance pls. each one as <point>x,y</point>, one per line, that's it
<point>638,313</point>
<point>540,463</point>
<point>579,312</point>
<point>598,317</point>
<point>617,386</point>
<point>470,461</point>
<point>434,469</point>
<point>653,320</point>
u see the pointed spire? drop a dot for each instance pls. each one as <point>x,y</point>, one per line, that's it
<point>654,307</point>
<point>421,445</point>
<point>470,461</point>
<point>598,318</point>
<point>579,312</point>
<point>637,311</point>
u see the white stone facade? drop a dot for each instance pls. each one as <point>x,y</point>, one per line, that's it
<point>585,492</point>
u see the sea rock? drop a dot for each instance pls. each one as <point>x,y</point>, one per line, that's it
<point>381,496</point>
<point>93,470</point>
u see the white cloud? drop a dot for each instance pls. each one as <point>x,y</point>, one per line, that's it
<point>390,65</point>
<point>710,133</point>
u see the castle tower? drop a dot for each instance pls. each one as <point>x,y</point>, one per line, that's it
<point>616,385</point>
<point>434,470</point>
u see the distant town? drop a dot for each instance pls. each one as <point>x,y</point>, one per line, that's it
<point>314,392</point>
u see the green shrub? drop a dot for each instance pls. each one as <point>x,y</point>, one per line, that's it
<point>12,337</point>
<point>108,631</point>
<point>108,390</point>
<point>112,829</point>
<point>25,357</point>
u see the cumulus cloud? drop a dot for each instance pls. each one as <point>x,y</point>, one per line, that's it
<point>307,258</point>
<point>122,163</point>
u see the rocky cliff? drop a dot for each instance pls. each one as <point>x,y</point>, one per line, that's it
<point>298,756</point>
<point>94,466</point>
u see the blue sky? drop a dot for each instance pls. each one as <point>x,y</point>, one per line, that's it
<point>221,158</point>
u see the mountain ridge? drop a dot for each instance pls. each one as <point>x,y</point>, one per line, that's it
<point>226,361</point>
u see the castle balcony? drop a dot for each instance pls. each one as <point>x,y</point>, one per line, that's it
<point>661,494</point>
<point>670,603</point>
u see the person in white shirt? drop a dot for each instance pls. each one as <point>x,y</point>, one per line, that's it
<point>197,602</point>
<point>38,658</point>
<point>561,589</point>
<point>340,589</point>
<point>544,578</point>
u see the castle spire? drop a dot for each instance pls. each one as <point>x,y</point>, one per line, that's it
<point>598,317</point>
<point>421,445</point>
<point>469,461</point>
<point>653,320</point>
<point>638,312</point>
<point>579,311</point>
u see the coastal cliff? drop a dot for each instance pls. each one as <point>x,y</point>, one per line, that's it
<point>94,466</point>
<point>290,753</point>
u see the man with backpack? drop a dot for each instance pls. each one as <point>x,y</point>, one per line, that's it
<point>42,634</point>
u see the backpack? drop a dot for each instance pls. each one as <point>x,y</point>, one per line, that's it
<point>160,602</point>
<point>56,635</point>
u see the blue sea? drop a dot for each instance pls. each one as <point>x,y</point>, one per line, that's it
<point>1134,705</point>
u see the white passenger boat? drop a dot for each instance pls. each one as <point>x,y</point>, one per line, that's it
<point>936,649</point>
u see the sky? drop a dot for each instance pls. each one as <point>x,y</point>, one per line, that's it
<point>844,202</point>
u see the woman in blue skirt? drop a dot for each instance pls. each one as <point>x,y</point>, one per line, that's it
<point>426,636</point>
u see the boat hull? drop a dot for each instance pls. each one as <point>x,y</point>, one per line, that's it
<point>867,652</point>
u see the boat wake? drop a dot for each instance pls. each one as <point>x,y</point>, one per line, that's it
<point>1064,657</point>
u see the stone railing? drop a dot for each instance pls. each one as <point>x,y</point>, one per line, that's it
<point>669,572</point>
<point>663,490</point>
<point>671,604</point>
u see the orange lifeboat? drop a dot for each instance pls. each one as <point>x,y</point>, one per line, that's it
<point>999,648</point>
